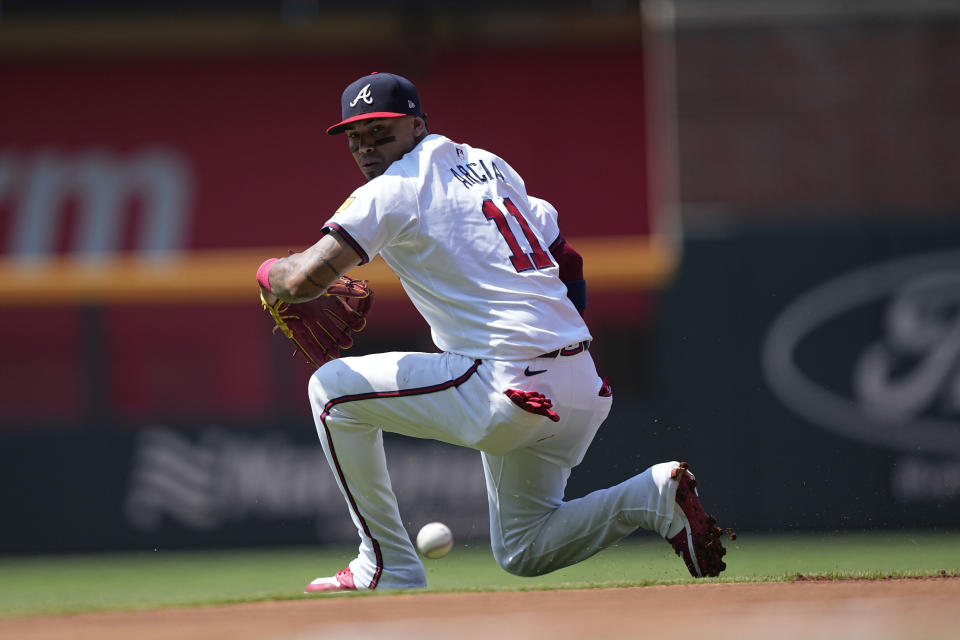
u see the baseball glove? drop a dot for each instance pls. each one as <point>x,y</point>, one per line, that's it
<point>322,327</point>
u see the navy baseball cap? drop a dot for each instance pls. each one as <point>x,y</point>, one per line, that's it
<point>378,95</point>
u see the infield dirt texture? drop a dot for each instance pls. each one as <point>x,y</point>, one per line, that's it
<point>919,608</point>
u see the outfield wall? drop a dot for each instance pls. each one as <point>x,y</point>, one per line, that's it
<point>144,401</point>
<point>808,373</point>
<point>798,348</point>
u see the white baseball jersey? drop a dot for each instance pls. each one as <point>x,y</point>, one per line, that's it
<point>471,249</point>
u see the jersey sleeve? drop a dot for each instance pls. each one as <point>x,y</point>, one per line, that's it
<point>378,214</point>
<point>546,216</point>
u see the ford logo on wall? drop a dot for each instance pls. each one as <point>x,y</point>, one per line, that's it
<point>894,380</point>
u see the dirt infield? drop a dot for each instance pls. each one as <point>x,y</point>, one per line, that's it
<point>851,609</point>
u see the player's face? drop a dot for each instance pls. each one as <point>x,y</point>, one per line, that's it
<point>378,142</point>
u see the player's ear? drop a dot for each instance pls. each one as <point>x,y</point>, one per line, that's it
<point>420,125</point>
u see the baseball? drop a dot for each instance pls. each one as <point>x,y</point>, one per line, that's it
<point>435,540</point>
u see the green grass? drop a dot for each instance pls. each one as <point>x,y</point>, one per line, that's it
<point>118,581</point>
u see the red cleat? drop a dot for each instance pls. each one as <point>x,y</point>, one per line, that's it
<point>700,533</point>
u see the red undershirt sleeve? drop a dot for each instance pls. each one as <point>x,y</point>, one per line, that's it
<point>571,272</point>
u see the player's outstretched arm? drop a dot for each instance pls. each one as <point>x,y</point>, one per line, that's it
<point>304,276</point>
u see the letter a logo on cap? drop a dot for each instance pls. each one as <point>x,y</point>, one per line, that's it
<point>363,95</point>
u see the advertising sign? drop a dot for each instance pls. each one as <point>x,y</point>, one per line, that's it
<point>814,374</point>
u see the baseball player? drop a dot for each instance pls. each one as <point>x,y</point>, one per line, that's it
<point>488,268</point>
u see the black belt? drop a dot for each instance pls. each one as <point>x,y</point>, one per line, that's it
<point>569,350</point>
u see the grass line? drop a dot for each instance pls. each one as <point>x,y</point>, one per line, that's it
<point>41,585</point>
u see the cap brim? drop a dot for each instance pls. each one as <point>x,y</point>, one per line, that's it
<point>338,128</point>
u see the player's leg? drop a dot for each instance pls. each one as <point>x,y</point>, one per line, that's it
<point>533,531</point>
<point>353,401</point>
<point>385,558</point>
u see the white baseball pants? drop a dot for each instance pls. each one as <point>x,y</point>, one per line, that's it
<point>527,458</point>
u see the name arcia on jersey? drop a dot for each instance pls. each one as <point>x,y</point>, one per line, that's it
<point>469,175</point>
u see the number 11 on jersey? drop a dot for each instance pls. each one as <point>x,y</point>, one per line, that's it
<point>538,258</point>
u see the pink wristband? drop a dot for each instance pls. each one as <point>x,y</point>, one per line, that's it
<point>263,273</point>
